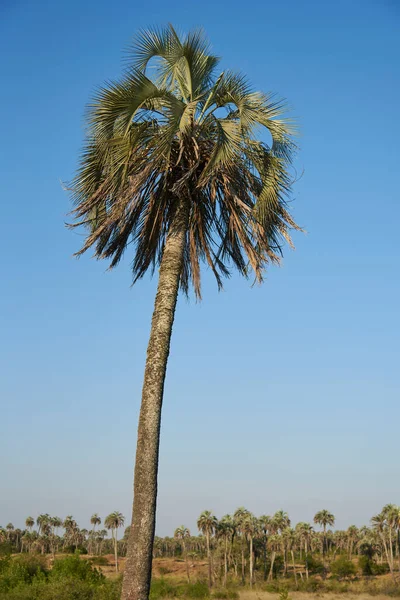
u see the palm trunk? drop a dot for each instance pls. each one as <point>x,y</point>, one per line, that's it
<point>271,570</point>
<point>226,561</point>
<point>210,581</point>
<point>251,561</point>
<point>116,550</point>
<point>306,552</point>
<point>137,576</point>
<point>294,568</point>
<point>265,558</point>
<point>243,580</point>
<point>186,561</point>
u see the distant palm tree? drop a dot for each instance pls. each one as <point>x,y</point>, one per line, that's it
<point>305,531</point>
<point>174,168</point>
<point>55,523</point>
<point>9,529</point>
<point>113,521</point>
<point>290,538</point>
<point>352,537</point>
<point>282,522</point>
<point>240,515</point>
<point>182,533</point>
<point>207,524</point>
<point>94,520</point>
<point>29,523</point>
<point>264,526</point>
<point>324,518</point>
<point>250,530</point>
<point>43,523</point>
<point>226,530</point>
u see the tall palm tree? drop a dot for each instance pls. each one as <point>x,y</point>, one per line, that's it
<point>324,518</point>
<point>182,533</point>
<point>250,529</point>
<point>207,524</point>
<point>165,173</point>
<point>113,521</point>
<point>94,520</point>
<point>264,525</point>
<point>226,530</point>
<point>282,522</point>
<point>42,523</point>
<point>305,532</point>
<point>240,516</point>
<point>29,523</point>
<point>352,537</point>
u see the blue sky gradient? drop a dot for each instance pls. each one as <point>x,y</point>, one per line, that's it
<point>280,396</point>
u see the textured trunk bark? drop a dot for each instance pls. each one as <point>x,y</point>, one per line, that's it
<point>226,561</point>
<point>186,561</point>
<point>271,571</point>
<point>294,568</point>
<point>210,580</point>
<point>306,551</point>
<point>137,575</point>
<point>251,561</point>
<point>265,559</point>
<point>116,551</point>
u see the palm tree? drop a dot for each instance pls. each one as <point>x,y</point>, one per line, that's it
<point>282,522</point>
<point>163,172</point>
<point>207,524</point>
<point>29,523</point>
<point>182,533</point>
<point>289,535</point>
<point>305,532</point>
<point>324,518</point>
<point>94,520</point>
<point>226,530</point>
<point>113,521</point>
<point>10,530</point>
<point>240,516</point>
<point>264,525</point>
<point>352,537</point>
<point>250,529</point>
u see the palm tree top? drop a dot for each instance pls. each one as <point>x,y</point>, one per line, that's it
<point>324,518</point>
<point>207,522</point>
<point>114,520</point>
<point>182,532</point>
<point>185,132</point>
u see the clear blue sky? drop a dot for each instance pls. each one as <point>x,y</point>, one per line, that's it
<point>282,396</point>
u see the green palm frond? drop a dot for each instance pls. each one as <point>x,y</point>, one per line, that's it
<point>174,127</point>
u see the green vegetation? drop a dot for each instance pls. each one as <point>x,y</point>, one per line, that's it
<point>264,552</point>
<point>27,578</point>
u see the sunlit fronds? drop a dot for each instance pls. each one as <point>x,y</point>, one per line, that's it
<point>173,127</point>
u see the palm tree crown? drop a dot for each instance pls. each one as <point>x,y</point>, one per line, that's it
<point>184,132</point>
<point>207,522</point>
<point>324,518</point>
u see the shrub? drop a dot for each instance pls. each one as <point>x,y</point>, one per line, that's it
<point>198,589</point>
<point>33,563</point>
<point>365,565</point>
<point>380,569</point>
<point>76,568</point>
<point>343,567</point>
<point>314,566</point>
<point>160,588</point>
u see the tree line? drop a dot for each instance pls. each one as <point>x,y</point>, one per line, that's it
<point>240,546</point>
